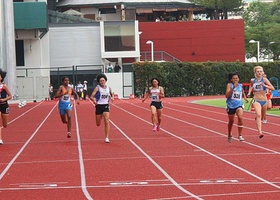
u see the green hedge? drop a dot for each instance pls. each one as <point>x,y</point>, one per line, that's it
<point>192,79</point>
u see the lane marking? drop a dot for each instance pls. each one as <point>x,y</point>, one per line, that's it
<point>24,146</point>
<point>202,149</point>
<point>129,183</point>
<point>210,130</point>
<point>81,161</point>
<point>217,120</point>
<point>222,194</point>
<point>45,185</point>
<point>11,121</point>
<point>156,164</point>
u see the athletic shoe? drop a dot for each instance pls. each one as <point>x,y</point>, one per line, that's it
<point>68,134</point>
<point>158,128</point>
<point>241,138</point>
<point>1,142</point>
<point>155,128</point>
<point>107,140</point>
<point>261,136</point>
<point>229,139</point>
<point>264,121</point>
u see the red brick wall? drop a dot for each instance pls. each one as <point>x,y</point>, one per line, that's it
<point>196,41</point>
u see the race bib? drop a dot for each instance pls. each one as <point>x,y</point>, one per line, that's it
<point>154,97</point>
<point>237,95</point>
<point>66,97</point>
<point>104,95</point>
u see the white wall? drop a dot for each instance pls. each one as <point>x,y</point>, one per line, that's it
<point>34,77</point>
<point>32,53</point>
<point>75,45</point>
<point>45,49</point>
<point>115,81</point>
<point>121,83</point>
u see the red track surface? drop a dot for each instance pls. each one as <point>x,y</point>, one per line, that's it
<point>189,158</point>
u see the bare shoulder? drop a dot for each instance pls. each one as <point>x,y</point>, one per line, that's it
<point>60,87</point>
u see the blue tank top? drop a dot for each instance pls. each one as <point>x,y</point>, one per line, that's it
<point>235,100</point>
<point>258,86</point>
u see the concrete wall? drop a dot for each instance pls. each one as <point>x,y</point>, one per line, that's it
<point>74,45</point>
<point>121,83</point>
<point>196,41</point>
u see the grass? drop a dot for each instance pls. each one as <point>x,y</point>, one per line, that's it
<point>222,103</point>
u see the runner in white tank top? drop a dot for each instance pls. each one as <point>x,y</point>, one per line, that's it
<point>156,93</point>
<point>101,96</point>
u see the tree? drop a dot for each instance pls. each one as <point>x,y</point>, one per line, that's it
<point>257,13</point>
<point>220,8</point>
<point>262,24</point>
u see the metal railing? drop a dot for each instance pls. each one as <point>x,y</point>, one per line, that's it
<point>158,56</point>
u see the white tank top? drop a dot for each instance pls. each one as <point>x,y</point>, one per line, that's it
<point>154,94</point>
<point>104,95</point>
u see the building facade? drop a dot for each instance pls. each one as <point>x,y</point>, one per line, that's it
<point>51,44</point>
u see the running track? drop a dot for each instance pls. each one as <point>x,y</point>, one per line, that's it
<point>189,158</point>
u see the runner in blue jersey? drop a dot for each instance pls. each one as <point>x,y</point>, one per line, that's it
<point>234,94</point>
<point>259,86</point>
<point>64,93</point>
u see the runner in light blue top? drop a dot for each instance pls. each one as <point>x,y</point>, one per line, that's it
<point>258,87</point>
<point>234,94</point>
<point>64,94</point>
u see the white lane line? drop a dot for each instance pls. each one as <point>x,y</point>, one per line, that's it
<point>38,184</point>
<point>208,152</point>
<point>225,195</point>
<point>45,185</point>
<point>24,146</point>
<point>82,167</point>
<point>216,120</point>
<point>221,134</point>
<point>222,113</point>
<point>154,162</point>
<point>129,183</point>
<point>210,130</point>
<point>11,121</point>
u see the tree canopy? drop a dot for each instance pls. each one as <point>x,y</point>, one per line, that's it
<point>220,7</point>
<point>262,23</point>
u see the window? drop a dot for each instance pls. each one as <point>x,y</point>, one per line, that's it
<point>119,36</point>
<point>20,53</point>
<point>107,10</point>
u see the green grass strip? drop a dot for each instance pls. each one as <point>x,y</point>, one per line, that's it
<point>222,103</point>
